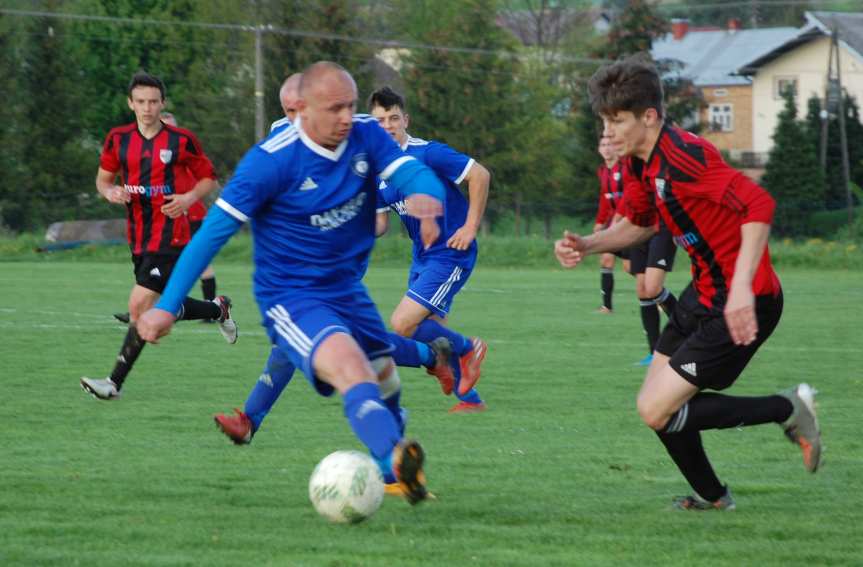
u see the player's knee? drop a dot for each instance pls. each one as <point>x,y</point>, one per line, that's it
<point>651,414</point>
<point>651,290</point>
<point>402,326</point>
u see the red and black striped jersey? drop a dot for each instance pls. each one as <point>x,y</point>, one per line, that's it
<point>169,163</point>
<point>704,202</point>
<point>610,192</point>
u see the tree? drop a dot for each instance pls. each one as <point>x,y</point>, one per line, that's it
<point>835,192</point>
<point>793,174</point>
<point>286,54</point>
<point>468,98</point>
<point>634,30</point>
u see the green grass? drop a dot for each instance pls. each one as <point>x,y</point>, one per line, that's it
<point>559,471</point>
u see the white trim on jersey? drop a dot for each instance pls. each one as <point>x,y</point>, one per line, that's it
<point>411,141</point>
<point>231,210</point>
<point>289,331</point>
<point>464,172</point>
<point>280,122</point>
<point>445,287</point>
<point>391,168</point>
<point>284,138</point>
<point>364,118</point>
<point>332,155</point>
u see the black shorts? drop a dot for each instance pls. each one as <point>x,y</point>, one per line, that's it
<point>622,254</point>
<point>658,252</point>
<point>153,270</point>
<point>700,346</point>
<point>194,225</point>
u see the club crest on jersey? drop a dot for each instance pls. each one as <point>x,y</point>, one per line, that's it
<point>165,156</point>
<point>660,188</point>
<point>616,176</point>
<point>360,165</point>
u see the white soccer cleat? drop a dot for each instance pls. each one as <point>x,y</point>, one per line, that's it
<point>227,326</point>
<point>100,388</point>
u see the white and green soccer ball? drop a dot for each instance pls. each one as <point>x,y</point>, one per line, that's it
<point>346,487</point>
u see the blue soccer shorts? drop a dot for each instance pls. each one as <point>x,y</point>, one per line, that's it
<point>298,325</point>
<point>433,283</point>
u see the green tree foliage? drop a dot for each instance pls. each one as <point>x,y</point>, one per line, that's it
<point>835,192</point>
<point>470,99</point>
<point>315,24</point>
<point>634,29</point>
<point>793,175</point>
<point>44,181</point>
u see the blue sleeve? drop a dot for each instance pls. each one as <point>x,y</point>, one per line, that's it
<point>218,227</point>
<point>413,177</point>
<point>255,180</point>
<point>447,162</point>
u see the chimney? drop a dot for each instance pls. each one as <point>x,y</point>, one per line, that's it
<point>679,28</point>
<point>734,25</point>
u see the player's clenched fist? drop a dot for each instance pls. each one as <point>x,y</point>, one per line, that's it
<point>569,250</point>
<point>155,324</point>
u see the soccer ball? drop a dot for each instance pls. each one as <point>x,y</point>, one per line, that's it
<point>346,487</point>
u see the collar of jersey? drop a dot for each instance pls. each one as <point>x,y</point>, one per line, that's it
<point>333,155</point>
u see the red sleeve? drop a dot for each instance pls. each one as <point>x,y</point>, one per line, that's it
<point>196,161</point>
<point>604,214</point>
<point>637,204</point>
<point>110,158</point>
<point>720,183</point>
<point>754,202</point>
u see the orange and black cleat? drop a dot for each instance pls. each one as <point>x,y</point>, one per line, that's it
<point>237,427</point>
<point>470,365</point>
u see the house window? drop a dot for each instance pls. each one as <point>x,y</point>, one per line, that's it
<point>782,84</point>
<point>721,117</point>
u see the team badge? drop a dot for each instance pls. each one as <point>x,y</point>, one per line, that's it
<point>660,188</point>
<point>165,156</point>
<point>360,165</point>
<point>616,176</point>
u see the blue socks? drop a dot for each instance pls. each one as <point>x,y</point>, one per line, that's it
<point>371,420</point>
<point>429,330</point>
<point>277,374</point>
<point>409,352</point>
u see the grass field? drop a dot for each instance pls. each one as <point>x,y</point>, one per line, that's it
<point>559,471</point>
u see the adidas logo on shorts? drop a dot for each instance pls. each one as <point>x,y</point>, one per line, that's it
<point>689,368</point>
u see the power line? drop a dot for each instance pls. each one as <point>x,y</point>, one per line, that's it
<point>383,43</point>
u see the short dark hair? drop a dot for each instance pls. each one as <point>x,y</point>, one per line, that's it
<point>386,98</point>
<point>145,79</point>
<point>632,85</point>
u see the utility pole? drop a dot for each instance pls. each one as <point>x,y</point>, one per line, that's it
<point>835,104</point>
<point>259,82</point>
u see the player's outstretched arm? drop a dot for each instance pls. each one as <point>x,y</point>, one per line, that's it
<point>425,194</point>
<point>217,229</point>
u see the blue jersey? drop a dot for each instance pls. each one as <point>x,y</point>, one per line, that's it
<point>312,210</point>
<point>451,167</point>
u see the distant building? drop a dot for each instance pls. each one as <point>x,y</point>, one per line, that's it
<point>800,63</point>
<point>710,58</point>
